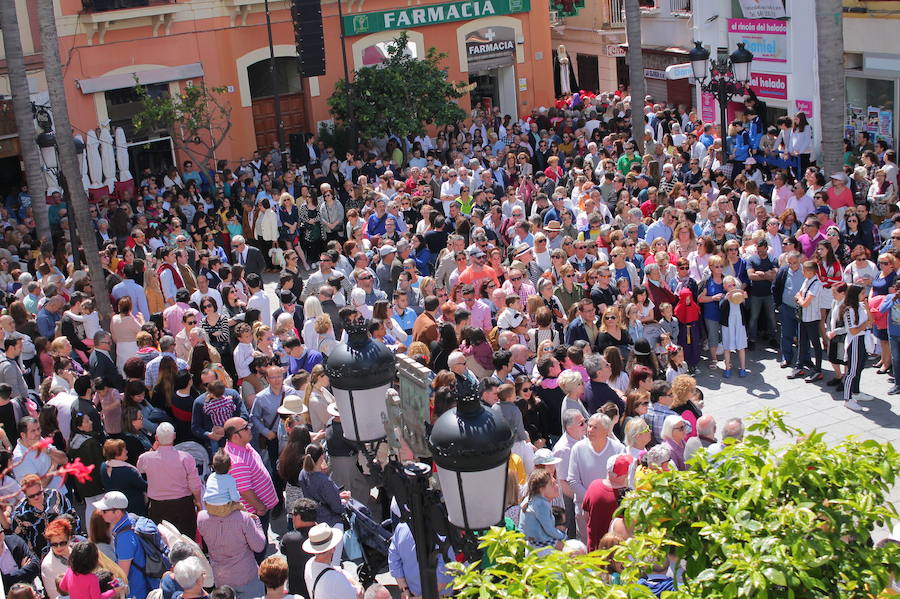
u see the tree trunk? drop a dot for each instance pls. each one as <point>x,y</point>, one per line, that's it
<point>635,71</point>
<point>832,97</point>
<point>68,158</point>
<point>21,96</point>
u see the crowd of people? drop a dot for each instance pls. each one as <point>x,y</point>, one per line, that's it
<point>571,277</point>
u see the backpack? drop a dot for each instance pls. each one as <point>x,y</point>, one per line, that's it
<point>156,552</point>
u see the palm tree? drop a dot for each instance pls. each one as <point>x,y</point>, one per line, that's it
<point>635,71</point>
<point>18,84</point>
<point>68,159</point>
<point>832,97</point>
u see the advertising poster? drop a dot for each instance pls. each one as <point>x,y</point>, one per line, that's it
<point>806,107</point>
<point>873,117</point>
<point>885,124</point>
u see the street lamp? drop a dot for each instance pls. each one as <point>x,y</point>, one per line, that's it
<point>723,77</point>
<point>46,139</point>
<point>361,372</point>
<point>471,446</point>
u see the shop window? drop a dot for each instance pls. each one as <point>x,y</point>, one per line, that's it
<point>287,77</point>
<point>870,107</point>
<point>376,54</point>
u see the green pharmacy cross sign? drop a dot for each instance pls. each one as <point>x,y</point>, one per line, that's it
<point>430,14</point>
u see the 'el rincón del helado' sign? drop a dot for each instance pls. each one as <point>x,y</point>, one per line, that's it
<point>430,14</point>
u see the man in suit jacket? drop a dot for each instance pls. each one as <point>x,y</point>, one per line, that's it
<point>247,256</point>
<point>584,326</point>
<point>289,305</point>
<point>101,363</point>
<point>425,329</point>
<point>27,564</point>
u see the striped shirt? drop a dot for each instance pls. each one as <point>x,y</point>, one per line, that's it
<point>250,474</point>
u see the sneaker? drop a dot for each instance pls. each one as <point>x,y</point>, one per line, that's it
<point>894,391</point>
<point>834,382</point>
<point>852,405</point>
<point>796,374</point>
<point>742,373</point>
<point>726,374</point>
<point>785,364</point>
<point>814,376</point>
<point>863,397</point>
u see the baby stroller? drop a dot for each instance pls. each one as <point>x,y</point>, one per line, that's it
<point>366,542</point>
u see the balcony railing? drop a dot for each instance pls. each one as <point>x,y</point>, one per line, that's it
<point>680,7</point>
<point>616,17</point>
<point>105,5</point>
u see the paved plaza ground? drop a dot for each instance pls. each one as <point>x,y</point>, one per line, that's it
<point>808,406</point>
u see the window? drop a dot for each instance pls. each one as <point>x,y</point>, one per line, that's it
<point>378,53</point>
<point>287,77</point>
<point>122,104</point>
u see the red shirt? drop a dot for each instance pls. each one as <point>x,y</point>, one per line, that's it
<point>599,504</point>
<point>648,208</point>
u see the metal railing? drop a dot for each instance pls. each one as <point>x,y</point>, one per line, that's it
<point>616,17</point>
<point>680,6</point>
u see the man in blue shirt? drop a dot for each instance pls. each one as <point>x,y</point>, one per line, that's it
<point>662,227</point>
<point>128,288</point>
<point>129,552</point>
<point>48,316</point>
<point>402,314</point>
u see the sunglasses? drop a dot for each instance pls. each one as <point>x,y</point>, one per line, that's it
<point>643,403</point>
<point>526,389</point>
<point>609,318</point>
<point>191,322</point>
<point>59,543</point>
<point>33,495</point>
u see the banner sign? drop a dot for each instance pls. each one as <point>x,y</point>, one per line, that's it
<point>768,85</point>
<point>430,14</point>
<point>707,108</point>
<point>763,9</point>
<point>490,47</point>
<point>767,39</point>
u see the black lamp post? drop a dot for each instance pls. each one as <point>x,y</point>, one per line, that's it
<point>723,77</point>
<point>47,139</point>
<point>471,446</point>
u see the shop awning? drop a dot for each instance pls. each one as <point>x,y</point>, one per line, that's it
<point>149,77</point>
<point>665,49</point>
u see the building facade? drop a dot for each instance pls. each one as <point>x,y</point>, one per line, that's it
<point>502,47</point>
<point>782,37</point>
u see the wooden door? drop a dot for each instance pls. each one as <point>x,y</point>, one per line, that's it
<point>293,115</point>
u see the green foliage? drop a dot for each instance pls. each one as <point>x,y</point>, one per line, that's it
<point>400,96</point>
<point>757,521</point>
<point>198,119</point>
<point>336,137</point>
<point>516,571</point>
<point>791,521</point>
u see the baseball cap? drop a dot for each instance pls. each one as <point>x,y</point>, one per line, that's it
<point>545,457</point>
<point>823,210</point>
<point>386,249</point>
<point>619,464</point>
<point>113,500</point>
<point>476,252</point>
